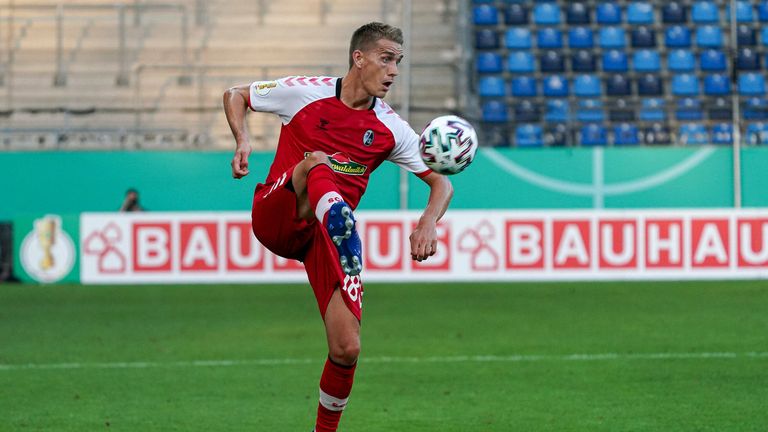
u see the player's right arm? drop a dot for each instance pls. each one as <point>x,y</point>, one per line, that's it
<point>235,108</point>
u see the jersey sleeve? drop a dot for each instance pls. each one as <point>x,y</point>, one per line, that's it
<point>284,96</point>
<point>406,152</point>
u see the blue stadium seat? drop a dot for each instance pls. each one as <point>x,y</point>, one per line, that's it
<point>521,62</point>
<point>625,134</point>
<point>527,112</point>
<point>556,110</point>
<point>485,14</point>
<point>495,111</point>
<point>643,37</point>
<point>615,61</point>
<point>757,133</point>
<point>744,11</point>
<point>656,134</point>
<point>650,85</point>
<point>488,62</point>
<point>677,37</point>
<point>518,38</point>
<point>709,36</point>
<point>555,86</point>
<point>745,35</point>
<point>618,85</point>
<point>652,109</point>
<point>713,61</point>
<point>681,60</point>
<point>608,13</point>
<point>586,85</point>
<point>640,12</point>
<point>747,59</point>
<point>528,135</point>
<point>549,37</point>
<point>556,135</point>
<point>524,86</point>
<point>674,12</point>
<point>722,133</point>
<point>612,37</point>
<point>547,13</point>
<point>705,12</point>
<point>685,85</point>
<point>486,39</point>
<point>516,14</point>
<point>593,134</point>
<point>755,108</point>
<point>693,133</point>
<point>590,110</point>
<point>719,109</point>
<point>551,62</point>
<point>689,109</point>
<point>646,60</point>
<point>764,36</point>
<point>580,37</point>
<point>762,11</point>
<point>717,85</point>
<point>752,84</point>
<point>492,86</point>
<point>577,13</point>
<point>622,110</point>
<point>583,61</point>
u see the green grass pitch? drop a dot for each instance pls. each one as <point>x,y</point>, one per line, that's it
<point>652,356</point>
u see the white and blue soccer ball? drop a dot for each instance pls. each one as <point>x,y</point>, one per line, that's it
<point>448,144</point>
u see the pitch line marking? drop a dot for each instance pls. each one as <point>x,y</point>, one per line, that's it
<point>533,358</point>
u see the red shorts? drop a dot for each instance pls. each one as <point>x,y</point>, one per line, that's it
<point>276,225</point>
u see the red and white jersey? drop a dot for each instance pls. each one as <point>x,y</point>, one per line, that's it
<point>357,141</point>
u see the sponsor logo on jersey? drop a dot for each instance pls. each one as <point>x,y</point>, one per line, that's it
<point>368,138</point>
<point>263,88</point>
<point>341,163</point>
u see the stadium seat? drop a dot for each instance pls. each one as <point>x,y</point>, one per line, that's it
<point>643,37</point>
<point>646,60</point>
<point>485,14</point>
<point>612,37</point>
<point>713,61</point>
<point>587,85</point>
<point>652,109</point>
<point>747,59</point>
<point>577,13</point>
<point>674,12</point>
<point>489,62</point>
<point>755,108</point>
<point>524,86</point>
<point>593,134</point>
<point>528,135</point>
<point>681,60</point>
<point>486,39</point>
<point>719,108</point>
<point>549,37</point>
<point>693,133</point>
<point>709,36</point>
<point>677,37</point>
<point>555,86</point>
<point>618,85</point>
<point>547,13</point>
<point>752,84</point>
<point>615,61</point>
<point>744,11</point>
<point>745,35</point>
<point>590,110</point>
<point>495,112</point>
<point>608,13</point>
<point>556,136</point>
<point>556,110</point>
<point>689,109</point>
<point>762,11</point>
<point>717,85</point>
<point>583,61</point>
<point>757,133</point>
<point>496,135</point>
<point>492,86</point>
<point>764,36</point>
<point>551,62</point>
<point>685,84</point>
<point>705,12</point>
<point>621,110</point>
<point>625,134</point>
<point>516,14</point>
<point>656,134</point>
<point>580,37</point>
<point>640,12</point>
<point>527,112</point>
<point>722,133</point>
<point>518,38</point>
<point>650,85</point>
<point>521,62</point>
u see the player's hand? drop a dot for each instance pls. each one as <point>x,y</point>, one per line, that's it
<point>240,161</point>
<point>423,240</point>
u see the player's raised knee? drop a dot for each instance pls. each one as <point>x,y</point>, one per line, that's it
<point>317,158</point>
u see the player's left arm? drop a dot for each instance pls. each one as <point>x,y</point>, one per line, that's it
<point>424,236</point>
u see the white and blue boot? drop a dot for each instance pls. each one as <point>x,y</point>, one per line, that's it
<point>340,224</point>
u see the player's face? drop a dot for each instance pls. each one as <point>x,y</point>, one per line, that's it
<point>379,67</point>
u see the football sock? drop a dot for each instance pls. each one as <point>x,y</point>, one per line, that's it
<point>322,190</point>
<point>335,386</point>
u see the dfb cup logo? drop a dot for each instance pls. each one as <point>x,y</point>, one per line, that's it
<point>47,253</point>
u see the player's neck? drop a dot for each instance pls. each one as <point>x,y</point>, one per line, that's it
<point>353,94</point>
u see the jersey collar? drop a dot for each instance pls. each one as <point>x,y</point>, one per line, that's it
<point>338,94</point>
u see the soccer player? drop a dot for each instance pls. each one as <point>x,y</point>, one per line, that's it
<point>335,132</point>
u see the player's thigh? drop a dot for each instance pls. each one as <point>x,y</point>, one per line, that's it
<point>276,223</point>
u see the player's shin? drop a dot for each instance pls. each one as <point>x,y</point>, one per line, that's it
<point>335,386</point>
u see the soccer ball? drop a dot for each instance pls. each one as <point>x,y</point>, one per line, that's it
<point>448,144</point>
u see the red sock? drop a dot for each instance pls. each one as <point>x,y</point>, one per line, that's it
<point>322,190</point>
<point>335,386</point>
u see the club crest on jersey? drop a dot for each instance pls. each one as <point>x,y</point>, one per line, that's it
<point>341,163</point>
<point>368,138</point>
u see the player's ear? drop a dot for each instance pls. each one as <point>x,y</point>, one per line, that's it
<point>357,58</point>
